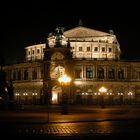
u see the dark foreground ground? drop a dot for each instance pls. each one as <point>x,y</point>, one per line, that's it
<point>81,130</point>
<point>81,122</point>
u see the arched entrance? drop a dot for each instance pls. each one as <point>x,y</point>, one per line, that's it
<point>56,95</point>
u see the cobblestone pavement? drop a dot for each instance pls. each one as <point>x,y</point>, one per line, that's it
<point>106,129</point>
<point>107,123</point>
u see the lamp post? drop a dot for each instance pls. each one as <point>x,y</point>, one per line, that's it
<point>64,80</point>
<point>102,90</point>
<point>130,94</point>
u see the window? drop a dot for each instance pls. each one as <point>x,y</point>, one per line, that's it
<point>44,50</point>
<point>14,76</point>
<point>88,49</point>
<point>121,74</point>
<point>110,50</point>
<point>34,75</point>
<point>78,73</point>
<point>38,51</point>
<point>96,49</point>
<point>103,49</point>
<point>100,73</point>
<point>29,52</point>
<point>111,74</point>
<point>33,51</point>
<point>80,48</point>
<point>89,72</point>
<point>25,75</point>
<point>19,75</point>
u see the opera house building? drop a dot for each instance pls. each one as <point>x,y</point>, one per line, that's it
<point>77,66</point>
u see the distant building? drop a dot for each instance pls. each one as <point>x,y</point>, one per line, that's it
<point>89,57</point>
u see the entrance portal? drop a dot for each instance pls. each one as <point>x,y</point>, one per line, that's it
<point>56,95</point>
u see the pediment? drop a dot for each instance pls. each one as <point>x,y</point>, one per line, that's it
<point>84,32</point>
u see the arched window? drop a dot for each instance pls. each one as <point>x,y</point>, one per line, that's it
<point>25,75</point>
<point>34,75</point>
<point>100,73</point>
<point>111,73</point>
<point>89,72</point>
<point>78,73</point>
<point>19,75</point>
<point>121,74</point>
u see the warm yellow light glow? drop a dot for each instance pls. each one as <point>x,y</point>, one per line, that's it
<point>25,94</point>
<point>34,94</point>
<point>130,93</point>
<point>120,93</point>
<point>77,82</point>
<point>102,90</point>
<point>54,97</point>
<point>6,89</point>
<point>64,79</point>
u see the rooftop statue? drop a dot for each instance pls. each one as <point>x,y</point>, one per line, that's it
<point>59,34</point>
<point>59,31</point>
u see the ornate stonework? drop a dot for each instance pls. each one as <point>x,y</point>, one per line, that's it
<point>90,57</point>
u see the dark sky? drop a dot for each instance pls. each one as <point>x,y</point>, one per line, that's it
<point>27,23</point>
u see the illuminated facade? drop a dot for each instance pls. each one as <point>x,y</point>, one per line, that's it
<point>89,57</point>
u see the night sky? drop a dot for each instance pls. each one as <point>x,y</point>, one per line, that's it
<point>29,23</point>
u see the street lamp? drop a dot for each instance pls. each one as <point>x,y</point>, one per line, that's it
<point>102,90</point>
<point>130,94</point>
<point>64,80</point>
